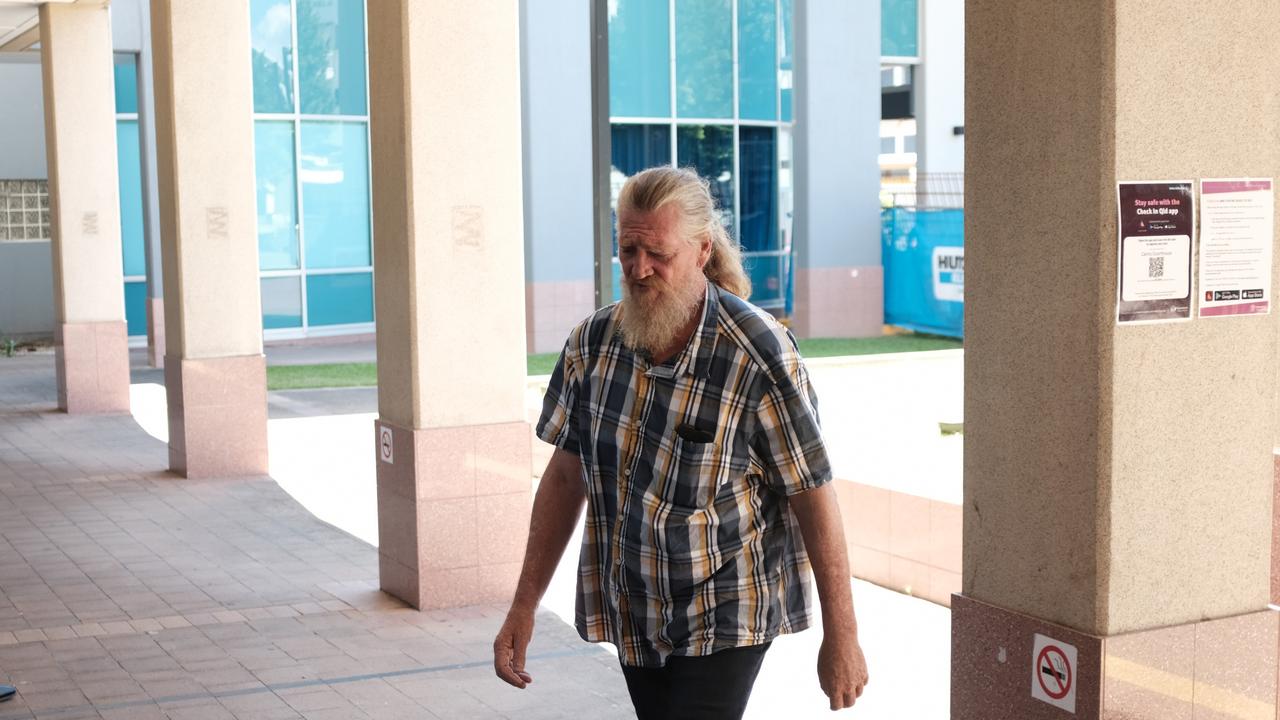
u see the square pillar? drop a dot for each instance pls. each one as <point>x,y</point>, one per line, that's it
<point>215,372</point>
<point>454,476</point>
<point>1108,502</point>
<point>80,136</point>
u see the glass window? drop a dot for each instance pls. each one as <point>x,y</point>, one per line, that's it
<point>135,307</point>
<point>335,194</point>
<point>709,150</point>
<point>133,240</point>
<point>339,299</point>
<point>636,147</point>
<point>277,195</point>
<point>909,143</point>
<point>768,284</point>
<point>331,74</point>
<point>888,145</point>
<point>898,36</point>
<point>281,302</point>
<point>126,74</point>
<point>757,59</point>
<point>786,59</point>
<point>639,59</point>
<point>704,58</point>
<point>271,24</point>
<point>758,161</point>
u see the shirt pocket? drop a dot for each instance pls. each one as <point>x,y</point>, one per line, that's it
<point>694,476</point>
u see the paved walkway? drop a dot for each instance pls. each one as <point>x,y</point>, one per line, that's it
<point>126,592</point>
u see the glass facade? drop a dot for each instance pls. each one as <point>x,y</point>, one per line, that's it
<point>899,28</point>
<point>133,234</point>
<point>707,84</point>
<point>311,152</point>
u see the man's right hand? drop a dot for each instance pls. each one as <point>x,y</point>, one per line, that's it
<point>510,646</point>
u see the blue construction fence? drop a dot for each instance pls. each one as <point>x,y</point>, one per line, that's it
<point>923,256</point>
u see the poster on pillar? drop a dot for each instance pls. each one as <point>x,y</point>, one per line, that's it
<point>1156,232</point>
<point>1236,231</point>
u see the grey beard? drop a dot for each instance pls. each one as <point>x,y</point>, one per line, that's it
<point>650,329</point>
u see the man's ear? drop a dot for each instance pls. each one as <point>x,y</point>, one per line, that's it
<point>705,247</point>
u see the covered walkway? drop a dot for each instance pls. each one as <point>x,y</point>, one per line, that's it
<point>126,591</point>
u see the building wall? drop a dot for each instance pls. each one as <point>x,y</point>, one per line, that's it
<point>559,235</point>
<point>940,98</point>
<point>26,267</point>
<point>839,288</point>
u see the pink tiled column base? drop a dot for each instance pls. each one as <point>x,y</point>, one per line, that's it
<point>453,512</point>
<point>552,309</point>
<point>92,361</point>
<point>155,332</point>
<point>839,302</point>
<point>1213,669</point>
<point>217,415</point>
<point>903,542</point>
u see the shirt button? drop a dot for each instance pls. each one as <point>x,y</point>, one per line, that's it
<point>626,472</point>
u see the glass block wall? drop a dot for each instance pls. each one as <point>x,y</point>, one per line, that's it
<point>311,151</point>
<point>707,84</point>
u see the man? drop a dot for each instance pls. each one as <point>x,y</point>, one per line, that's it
<point>684,421</point>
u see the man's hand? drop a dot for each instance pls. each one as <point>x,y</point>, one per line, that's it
<point>842,671</point>
<point>510,646</point>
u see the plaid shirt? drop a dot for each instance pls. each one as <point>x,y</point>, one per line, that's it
<point>689,545</point>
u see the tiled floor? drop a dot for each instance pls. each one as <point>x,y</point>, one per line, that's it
<point>127,592</point>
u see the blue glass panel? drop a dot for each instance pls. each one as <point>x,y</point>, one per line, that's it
<point>133,240</point>
<point>898,34</point>
<point>135,307</point>
<point>757,59</point>
<point>704,58</point>
<point>636,147</point>
<point>126,72</point>
<point>339,299</point>
<point>768,284</point>
<point>331,75</point>
<point>639,59</point>
<point>786,58</point>
<point>281,302</point>
<point>272,37</point>
<point>709,150</point>
<point>277,195</point>
<point>335,194</point>
<point>758,162</point>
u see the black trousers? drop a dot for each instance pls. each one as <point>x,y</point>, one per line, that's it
<point>691,688</point>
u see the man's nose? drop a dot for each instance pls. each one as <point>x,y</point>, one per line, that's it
<point>641,267</point>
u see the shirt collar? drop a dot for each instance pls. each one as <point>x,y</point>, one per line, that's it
<point>695,358</point>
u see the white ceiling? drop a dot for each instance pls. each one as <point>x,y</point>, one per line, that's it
<point>16,18</point>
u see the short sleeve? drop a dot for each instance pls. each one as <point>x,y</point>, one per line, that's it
<point>788,439</point>
<point>558,423</point>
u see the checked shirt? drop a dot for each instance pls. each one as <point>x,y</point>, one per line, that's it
<point>689,545</point>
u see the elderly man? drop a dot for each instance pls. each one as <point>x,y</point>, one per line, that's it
<point>684,420</point>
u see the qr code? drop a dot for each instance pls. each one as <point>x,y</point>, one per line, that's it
<point>1155,267</point>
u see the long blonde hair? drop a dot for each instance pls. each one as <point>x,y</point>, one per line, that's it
<point>649,190</point>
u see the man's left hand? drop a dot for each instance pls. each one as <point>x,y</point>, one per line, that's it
<point>842,671</point>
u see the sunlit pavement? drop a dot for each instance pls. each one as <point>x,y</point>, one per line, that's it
<point>880,415</point>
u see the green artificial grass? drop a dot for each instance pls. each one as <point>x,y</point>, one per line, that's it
<point>296,377</point>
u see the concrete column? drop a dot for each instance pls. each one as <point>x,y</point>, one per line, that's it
<point>454,465</point>
<point>215,373</point>
<point>839,281</point>
<point>1118,479</point>
<point>80,140</point>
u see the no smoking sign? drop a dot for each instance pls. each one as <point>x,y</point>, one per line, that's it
<point>1053,672</point>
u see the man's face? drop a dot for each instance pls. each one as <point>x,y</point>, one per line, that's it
<point>661,274</point>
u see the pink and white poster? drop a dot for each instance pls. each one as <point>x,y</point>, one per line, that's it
<point>1237,219</point>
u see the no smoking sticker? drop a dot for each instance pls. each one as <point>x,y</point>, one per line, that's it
<point>1053,672</point>
<point>385,449</point>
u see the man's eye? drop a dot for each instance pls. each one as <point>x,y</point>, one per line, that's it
<point>626,251</point>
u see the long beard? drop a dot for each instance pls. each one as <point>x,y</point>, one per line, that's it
<point>650,324</point>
